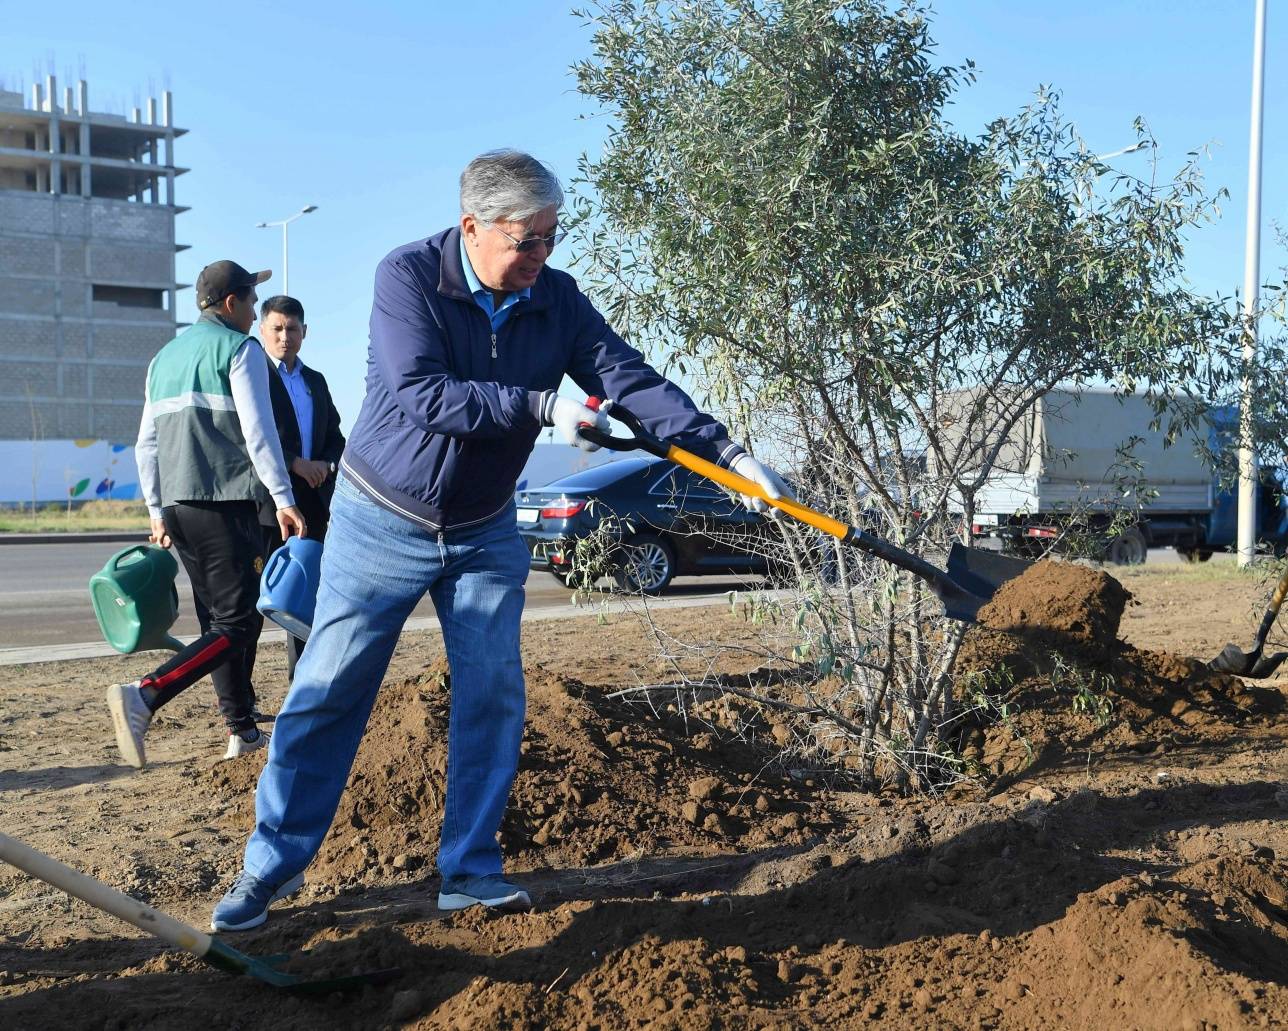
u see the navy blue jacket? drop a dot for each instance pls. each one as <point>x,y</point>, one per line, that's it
<point>446,428</point>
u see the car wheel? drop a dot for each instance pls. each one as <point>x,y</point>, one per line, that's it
<point>1128,548</point>
<point>647,565</point>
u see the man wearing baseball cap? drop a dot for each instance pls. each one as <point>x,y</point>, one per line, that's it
<point>208,453</point>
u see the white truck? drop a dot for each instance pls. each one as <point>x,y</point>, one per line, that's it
<point>1086,465</point>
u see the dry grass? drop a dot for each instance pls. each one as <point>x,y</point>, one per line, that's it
<point>89,516</point>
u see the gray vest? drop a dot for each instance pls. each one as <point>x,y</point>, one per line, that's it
<point>201,451</point>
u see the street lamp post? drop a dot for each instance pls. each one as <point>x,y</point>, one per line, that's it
<point>1251,275</point>
<point>285,223</point>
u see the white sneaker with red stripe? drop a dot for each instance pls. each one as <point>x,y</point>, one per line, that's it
<point>130,718</point>
<point>238,745</point>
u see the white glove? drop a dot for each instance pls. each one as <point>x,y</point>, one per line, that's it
<point>748,468</point>
<point>567,416</point>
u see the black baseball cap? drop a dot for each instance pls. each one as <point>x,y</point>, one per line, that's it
<point>221,278</point>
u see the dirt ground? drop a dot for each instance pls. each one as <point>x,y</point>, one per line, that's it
<point>1115,867</point>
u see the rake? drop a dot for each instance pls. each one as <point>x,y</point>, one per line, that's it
<point>161,925</point>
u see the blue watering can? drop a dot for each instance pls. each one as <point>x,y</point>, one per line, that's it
<point>288,587</point>
<point>135,599</point>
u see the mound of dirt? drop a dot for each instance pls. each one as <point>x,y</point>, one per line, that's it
<point>1050,676</point>
<point>1060,605</point>
<point>598,781</point>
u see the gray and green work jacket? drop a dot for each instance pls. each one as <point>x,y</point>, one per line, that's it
<point>208,432</point>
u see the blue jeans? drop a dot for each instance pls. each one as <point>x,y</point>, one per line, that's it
<point>375,569</point>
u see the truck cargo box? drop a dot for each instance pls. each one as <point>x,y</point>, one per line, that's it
<point>1064,455</point>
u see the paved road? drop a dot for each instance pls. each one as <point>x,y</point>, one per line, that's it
<point>44,597</point>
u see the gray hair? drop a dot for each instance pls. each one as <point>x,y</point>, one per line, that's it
<point>508,185</point>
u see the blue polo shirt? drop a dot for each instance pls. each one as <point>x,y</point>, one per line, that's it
<point>483,296</point>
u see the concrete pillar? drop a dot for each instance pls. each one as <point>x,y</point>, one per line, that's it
<point>55,136</point>
<point>167,116</point>
<point>136,116</point>
<point>38,104</point>
<point>154,182</point>
<point>82,109</point>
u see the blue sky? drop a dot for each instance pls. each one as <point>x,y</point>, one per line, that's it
<point>370,113</point>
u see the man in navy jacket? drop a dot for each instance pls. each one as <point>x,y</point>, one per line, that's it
<point>471,335</point>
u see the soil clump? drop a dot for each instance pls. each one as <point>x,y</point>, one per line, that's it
<point>1049,676</point>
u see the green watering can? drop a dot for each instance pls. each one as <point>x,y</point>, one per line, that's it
<point>135,599</point>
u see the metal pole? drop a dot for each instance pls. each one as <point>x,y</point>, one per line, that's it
<point>286,268</point>
<point>1251,276</point>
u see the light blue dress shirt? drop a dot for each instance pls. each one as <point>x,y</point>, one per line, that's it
<point>301,401</point>
<point>483,296</point>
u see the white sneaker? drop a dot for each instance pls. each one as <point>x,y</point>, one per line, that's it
<point>130,717</point>
<point>238,745</point>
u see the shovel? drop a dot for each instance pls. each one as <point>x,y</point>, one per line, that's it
<point>167,928</point>
<point>1251,664</point>
<point>971,579</point>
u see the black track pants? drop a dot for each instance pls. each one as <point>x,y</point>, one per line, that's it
<point>220,545</point>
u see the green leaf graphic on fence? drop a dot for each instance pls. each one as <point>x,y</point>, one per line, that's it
<point>79,489</point>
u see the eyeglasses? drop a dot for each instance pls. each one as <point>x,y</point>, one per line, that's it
<point>530,244</point>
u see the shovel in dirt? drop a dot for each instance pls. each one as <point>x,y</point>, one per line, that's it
<point>971,579</point>
<point>1253,664</point>
<point>167,928</point>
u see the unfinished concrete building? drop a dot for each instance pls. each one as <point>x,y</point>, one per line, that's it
<point>87,277</point>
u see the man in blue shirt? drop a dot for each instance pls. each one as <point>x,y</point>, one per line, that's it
<point>471,336</point>
<point>308,426</point>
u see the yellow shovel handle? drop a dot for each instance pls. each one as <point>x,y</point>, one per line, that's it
<point>743,485</point>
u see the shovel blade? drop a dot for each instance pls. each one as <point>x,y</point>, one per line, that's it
<point>959,604</point>
<point>974,576</point>
<point>1252,665</point>
<point>1234,659</point>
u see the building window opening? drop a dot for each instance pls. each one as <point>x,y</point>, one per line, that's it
<point>129,296</point>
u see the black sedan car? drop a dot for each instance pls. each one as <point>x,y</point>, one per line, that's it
<point>656,521</point>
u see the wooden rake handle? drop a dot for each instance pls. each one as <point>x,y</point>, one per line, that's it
<point>100,896</point>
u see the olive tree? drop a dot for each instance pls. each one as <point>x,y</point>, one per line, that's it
<point>784,213</point>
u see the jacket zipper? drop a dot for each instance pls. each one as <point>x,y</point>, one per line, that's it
<point>493,345</point>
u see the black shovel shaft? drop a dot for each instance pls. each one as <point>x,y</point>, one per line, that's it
<point>896,556</point>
